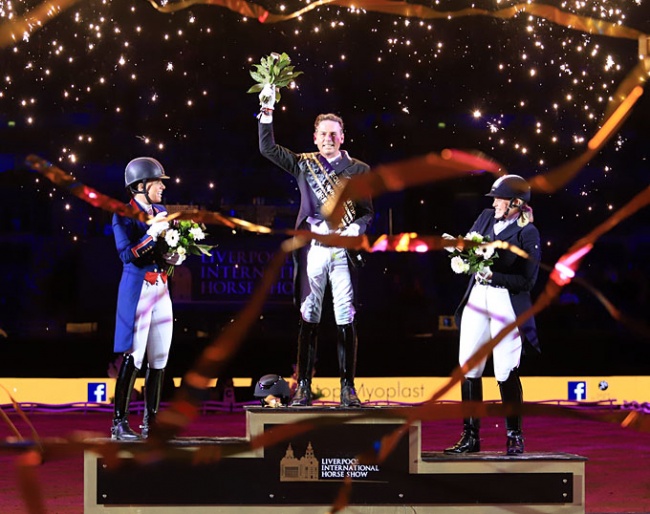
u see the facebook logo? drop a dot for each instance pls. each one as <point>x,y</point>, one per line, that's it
<point>96,392</point>
<point>577,391</point>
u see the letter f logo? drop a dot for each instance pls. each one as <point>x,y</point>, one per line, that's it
<point>96,392</point>
<point>100,392</point>
<point>577,391</point>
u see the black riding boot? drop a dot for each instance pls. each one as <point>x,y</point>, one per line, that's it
<point>512,394</point>
<point>307,342</point>
<point>152,391</point>
<point>121,431</point>
<point>346,348</point>
<point>471,390</point>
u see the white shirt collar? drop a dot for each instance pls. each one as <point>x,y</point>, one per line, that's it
<point>499,226</point>
<point>146,207</point>
<point>334,159</point>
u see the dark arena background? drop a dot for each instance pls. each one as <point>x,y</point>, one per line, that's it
<point>96,83</point>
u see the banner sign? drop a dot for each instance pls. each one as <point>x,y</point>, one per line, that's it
<point>231,274</point>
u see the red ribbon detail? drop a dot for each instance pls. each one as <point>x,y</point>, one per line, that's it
<point>152,277</point>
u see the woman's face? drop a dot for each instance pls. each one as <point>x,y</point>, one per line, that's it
<point>155,190</point>
<point>501,208</point>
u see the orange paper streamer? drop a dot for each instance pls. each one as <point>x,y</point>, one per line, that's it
<point>66,181</point>
<point>409,10</point>
<point>617,110</point>
<point>15,30</point>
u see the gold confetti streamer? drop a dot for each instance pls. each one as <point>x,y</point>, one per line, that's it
<point>409,10</point>
<point>66,181</point>
<point>16,30</point>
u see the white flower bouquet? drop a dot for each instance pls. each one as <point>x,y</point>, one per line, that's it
<point>276,70</point>
<point>182,239</point>
<point>473,259</point>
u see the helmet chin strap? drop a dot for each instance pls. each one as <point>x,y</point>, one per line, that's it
<point>146,195</point>
<point>511,204</point>
<point>144,192</point>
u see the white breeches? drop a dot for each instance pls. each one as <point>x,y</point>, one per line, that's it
<point>153,325</point>
<point>487,312</point>
<point>326,264</point>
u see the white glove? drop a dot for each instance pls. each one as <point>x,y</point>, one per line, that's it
<point>267,102</point>
<point>352,230</point>
<point>321,228</point>
<point>484,276</point>
<point>157,227</point>
<point>267,97</point>
<point>175,259</point>
<point>450,249</point>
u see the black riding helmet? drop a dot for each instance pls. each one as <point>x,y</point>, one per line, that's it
<point>273,385</point>
<point>510,186</point>
<point>142,169</point>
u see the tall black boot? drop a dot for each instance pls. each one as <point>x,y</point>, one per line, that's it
<point>346,348</point>
<point>513,395</point>
<point>471,390</point>
<point>121,431</point>
<point>307,343</point>
<point>152,390</point>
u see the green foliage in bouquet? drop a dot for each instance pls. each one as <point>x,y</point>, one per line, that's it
<point>274,69</point>
<point>474,258</point>
<point>182,238</point>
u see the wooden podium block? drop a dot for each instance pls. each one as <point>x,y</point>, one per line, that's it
<point>304,473</point>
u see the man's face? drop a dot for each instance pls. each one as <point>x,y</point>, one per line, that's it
<point>155,190</point>
<point>328,138</point>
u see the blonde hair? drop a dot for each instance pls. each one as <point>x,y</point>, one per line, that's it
<point>525,215</point>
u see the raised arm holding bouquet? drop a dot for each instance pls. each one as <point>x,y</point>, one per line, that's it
<point>272,73</point>
<point>318,174</point>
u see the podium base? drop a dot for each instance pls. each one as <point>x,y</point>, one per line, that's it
<point>305,467</point>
